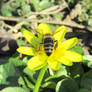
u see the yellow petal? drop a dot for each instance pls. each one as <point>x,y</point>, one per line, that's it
<point>41,49</point>
<point>65,61</point>
<point>73,56</point>
<point>58,55</point>
<point>44,29</point>
<point>37,62</point>
<point>31,38</point>
<point>59,52</point>
<point>26,50</point>
<point>69,43</point>
<point>53,64</point>
<point>60,33</point>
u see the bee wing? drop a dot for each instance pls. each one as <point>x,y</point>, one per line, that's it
<point>59,33</point>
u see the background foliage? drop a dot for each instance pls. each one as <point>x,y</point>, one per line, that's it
<point>18,14</point>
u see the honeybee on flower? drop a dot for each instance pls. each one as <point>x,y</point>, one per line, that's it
<point>48,48</point>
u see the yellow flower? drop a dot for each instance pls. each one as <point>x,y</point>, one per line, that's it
<point>60,55</point>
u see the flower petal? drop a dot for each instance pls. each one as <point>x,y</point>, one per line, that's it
<point>53,64</point>
<point>69,43</point>
<point>73,56</point>
<point>31,38</point>
<point>26,50</point>
<point>44,29</point>
<point>60,33</point>
<point>37,62</point>
<point>58,55</point>
<point>65,61</point>
<point>41,49</point>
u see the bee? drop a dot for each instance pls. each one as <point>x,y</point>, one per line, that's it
<point>48,43</point>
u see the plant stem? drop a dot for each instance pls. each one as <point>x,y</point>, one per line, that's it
<point>39,79</point>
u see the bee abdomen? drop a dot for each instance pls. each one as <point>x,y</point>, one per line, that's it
<point>48,46</point>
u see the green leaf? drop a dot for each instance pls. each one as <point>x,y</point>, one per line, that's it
<point>25,9</point>
<point>9,73</point>
<point>31,77</point>
<point>67,85</point>
<point>20,3</point>
<point>36,5</point>
<point>25,82</point>
<point>29,83</point>
<point>6,11</point>
<point>14,89</point>
<point>86,81</point>
<point>87,59</point>
<point>78,49</point>
<point>43,4</point>
<point>21,82</point>
<point>62,73</point>
<point>30,74</point>
<point>49,84</point>
<point>76,71</point>
<point>7,70</point>
<point>21,43</point>
<point>83,90</point>
<point>3,60</point>
<point>16,61</point>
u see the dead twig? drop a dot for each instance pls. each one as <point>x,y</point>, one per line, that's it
<point>8,35</point>
<point>54,9</point>
<point>70,24</point>
<point>2,24</point>
<point>45,21</point>
<point>51,10</point>
<point>18,25</point>
<point>11,18</point>
<point>31,18</point>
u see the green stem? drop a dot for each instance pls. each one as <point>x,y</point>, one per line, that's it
<point>39,79</point>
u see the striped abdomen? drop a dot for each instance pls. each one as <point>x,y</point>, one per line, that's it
<point>48,45</point>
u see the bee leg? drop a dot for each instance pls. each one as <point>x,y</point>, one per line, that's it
<point>56,44</point>
<point>39,48</point>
